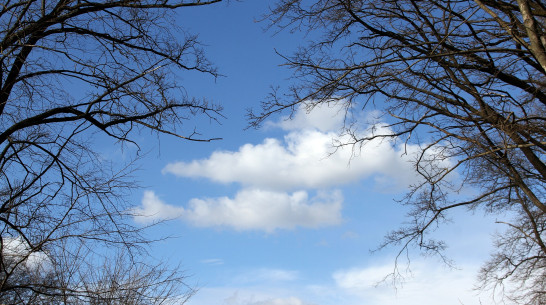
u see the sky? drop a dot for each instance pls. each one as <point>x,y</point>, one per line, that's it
<point>272,216</point>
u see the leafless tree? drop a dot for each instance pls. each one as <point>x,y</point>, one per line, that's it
<point>73,72</point>
<point>81,277</point>
<point>465,80</point>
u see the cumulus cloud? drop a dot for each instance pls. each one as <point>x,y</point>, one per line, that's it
<point>305,159</point>
<point>250,209</point>
<point>323,117</point>
<point>18,250</point>
<point>255,209</point>
<point>153,209</point>
<point>277,175</point>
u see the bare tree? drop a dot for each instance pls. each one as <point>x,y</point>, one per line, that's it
<point>465,80</point>
<point>81,277</point>
<point>120,280</point>
<point>72,72</point>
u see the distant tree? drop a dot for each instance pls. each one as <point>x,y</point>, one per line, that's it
<point>65,278</point>
<point>465,80</point>
<point>73,72</point>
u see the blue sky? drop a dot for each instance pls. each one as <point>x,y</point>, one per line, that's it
<point>270,216</point>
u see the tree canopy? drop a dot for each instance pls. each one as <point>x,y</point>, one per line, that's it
<point>465,80</point>
<point>71,72</point>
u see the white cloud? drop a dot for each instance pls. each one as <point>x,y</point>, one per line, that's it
<point>323,117</point>
<point>254,209</point>
<point>303,160</point>
<point>286,301</point>
<point>267,275</point>
<point>276,175</point>
<point>213,261</point>
<point>250,209</point>
<point>428,283</point>
<point>358,279</point>
<point>154,209</point>
<point>19,251</point>
<point>309,156</point>
<point>246,296</point>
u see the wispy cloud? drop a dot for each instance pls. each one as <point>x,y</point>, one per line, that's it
<point>247,296</point>
<point>427,283</point>
<point>267,275</point>
<point>212,261</point>
<point>279,301</point>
